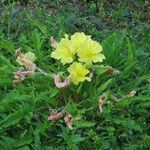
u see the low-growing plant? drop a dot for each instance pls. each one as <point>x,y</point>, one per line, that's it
<point>87,89</point>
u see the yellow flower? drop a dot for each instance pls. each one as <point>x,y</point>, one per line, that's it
<point>78,73</point>
<point>89,52</point>
<point>77,39</point>
<point>64,51</point>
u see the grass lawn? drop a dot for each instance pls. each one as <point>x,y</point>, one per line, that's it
<point>110,112</point>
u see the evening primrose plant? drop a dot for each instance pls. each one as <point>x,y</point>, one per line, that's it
<point>105,108</point>
<point>77,53</point>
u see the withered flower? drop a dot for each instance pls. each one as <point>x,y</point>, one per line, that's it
<point>26,59</point>
<point>20,75</point>
<point>53,42</point>
<point>55,116</point>
<point>60,84</point>
<point>132,93</point>
<point>102,102</point>
<point>69,121</point>
<point>113,71</point>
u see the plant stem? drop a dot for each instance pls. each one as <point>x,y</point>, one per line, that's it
<point>45,73</point>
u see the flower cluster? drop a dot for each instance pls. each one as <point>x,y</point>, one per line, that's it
<point>80,51</point>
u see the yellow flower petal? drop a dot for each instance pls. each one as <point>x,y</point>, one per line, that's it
<point>64,51</point>
<point>99,58</point>
<point>78,73</point>
<point>77,39</point>
<point>89,52</point>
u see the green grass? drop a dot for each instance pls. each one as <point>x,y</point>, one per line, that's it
<point>122,27</point>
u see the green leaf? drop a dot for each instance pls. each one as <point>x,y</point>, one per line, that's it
<point>76,138</point>
<point>83,124</point>
<point>37,41</point>
<point>133,125</point>
<point>54,91</point>
<point>27,139</point>
<point>15,117</point>
<point>39,25</point>
<point>103,86</point>
<point>11,99</point>
<point>100,69</point>
<point>23,148</point>
<point>7,45</point>
<point>146,141</point>
<point>6,143</point>
<point>112,48</point>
